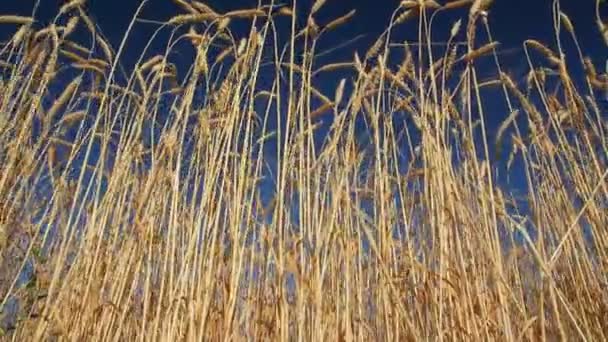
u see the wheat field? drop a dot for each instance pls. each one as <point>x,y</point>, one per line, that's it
<point>234,196</point>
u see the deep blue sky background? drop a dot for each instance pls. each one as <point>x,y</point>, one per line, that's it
<point>512,22</point>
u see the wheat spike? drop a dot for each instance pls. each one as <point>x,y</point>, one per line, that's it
<point>87,21</point>
<point>375,49</point>
<point>455,28</point>
<point>340,91</point>
<point>245,14</point>
<point>71,5</point>
<point>105,47</point>
<point>63,98</point>
<point>322,109</point>
<point>21,34</point>
<point>333,67</point>
<point>186,6</point>
<point>457,4</point>
<point>6,65</point>
<point>70,55</point>
<point>319,95</point>
<point>203,8</point>
<point>317,6</point>
<point>589,67</point>
<point>538,46</point>
<point>71,26</point>
<point>72,118</point>
<point>77,47</point>
<point>408,4</point>
<point>15,20</point>
<point>225,53</point>
<point>603,29</point>
<point>431,4</point>
<point>479,6</point>
<point>407,15</point>
<point>503,127</point>
<point>151,62</point>
<point>566,21</point>
<point>192,18</point>
<point>89,67</point>
<point>100,63</point>
<point>339,21</point>
<point>51,158</point>
<point>471,56</point>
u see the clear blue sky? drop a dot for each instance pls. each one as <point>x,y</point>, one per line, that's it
<point>512,22</point>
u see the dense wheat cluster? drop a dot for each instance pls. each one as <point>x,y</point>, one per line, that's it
<point>197,200</point>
